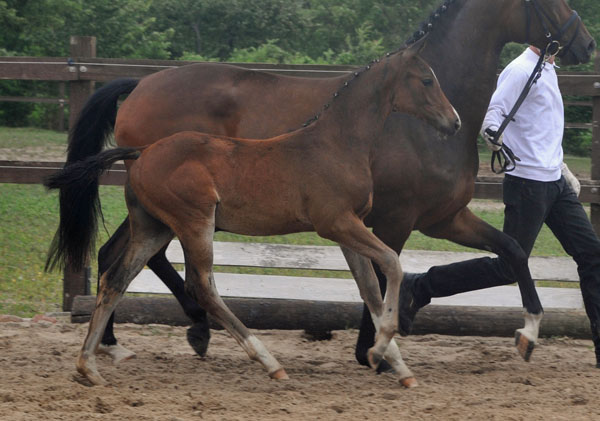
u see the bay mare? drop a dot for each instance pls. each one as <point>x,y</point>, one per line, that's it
<point>420,183</point>
<point>314,179</point>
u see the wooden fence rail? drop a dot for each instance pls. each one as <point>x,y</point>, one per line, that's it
<point>29,172</point>
<point>83,68</point>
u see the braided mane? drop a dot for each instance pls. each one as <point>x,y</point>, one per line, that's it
<point>426,26</point>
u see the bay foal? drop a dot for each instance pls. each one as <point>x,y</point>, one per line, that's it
<point>316,178</point>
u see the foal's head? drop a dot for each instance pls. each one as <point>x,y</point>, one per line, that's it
<point>419,92</point>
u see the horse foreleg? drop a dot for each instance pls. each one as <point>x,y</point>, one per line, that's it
<point>367,283</point>
<point>349,231</point>
<point>467,229</point>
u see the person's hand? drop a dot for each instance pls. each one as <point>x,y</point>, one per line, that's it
<point>571,180</point>
<point>488,135</point>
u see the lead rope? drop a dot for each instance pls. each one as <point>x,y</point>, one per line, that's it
<point>505,156</point>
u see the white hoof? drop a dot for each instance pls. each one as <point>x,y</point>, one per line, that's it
<point>117,352</point>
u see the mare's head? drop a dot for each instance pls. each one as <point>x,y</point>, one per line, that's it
<point>419,92</point>
<point>544,22</point>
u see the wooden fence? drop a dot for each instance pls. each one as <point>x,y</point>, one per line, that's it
<point>83,68</point>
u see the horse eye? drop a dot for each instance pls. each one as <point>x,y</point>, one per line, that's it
<point>427,82</point>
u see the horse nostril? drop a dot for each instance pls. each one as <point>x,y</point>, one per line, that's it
<point>457,125</point>
<point>592,47</point>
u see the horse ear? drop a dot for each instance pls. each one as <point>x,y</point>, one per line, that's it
<point>418,46</point>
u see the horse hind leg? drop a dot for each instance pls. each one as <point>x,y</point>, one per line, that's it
<point>198,334</point>
<point>198,249</point>
<point>148,236</point>
<point>469,230</point>
<point>107,254</point>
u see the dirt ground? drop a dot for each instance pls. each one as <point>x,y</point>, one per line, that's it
<point>460,378</point>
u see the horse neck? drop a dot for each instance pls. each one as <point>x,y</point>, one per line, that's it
<point>464,51</point>
<point>358,113</point>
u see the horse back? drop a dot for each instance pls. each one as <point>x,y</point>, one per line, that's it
<point>218,99</point>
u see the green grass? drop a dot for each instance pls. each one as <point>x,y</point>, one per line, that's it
<point>29,217</point>
<point>28,220</point>
<point>21,137</point>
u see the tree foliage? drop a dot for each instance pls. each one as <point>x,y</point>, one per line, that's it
<point>307,29</point>
<point>345,30</point>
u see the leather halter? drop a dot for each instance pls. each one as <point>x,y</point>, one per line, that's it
<point>505,156</point>
<point>553,42</point>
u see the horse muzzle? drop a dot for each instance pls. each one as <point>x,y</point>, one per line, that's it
<point>449,126</point>
<point>578,54</point>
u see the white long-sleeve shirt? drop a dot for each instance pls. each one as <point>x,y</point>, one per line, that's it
<point>536,134</point>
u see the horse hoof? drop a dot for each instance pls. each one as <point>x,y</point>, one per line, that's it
<point>96,379</point>
<point>374,359</point>
<point>198,336</point>
<point>409,382</point>
<point>92,375</point>
<point>524,345</point>
<point>86,366</point>
<point>117,352</point>
<point>279,374</point>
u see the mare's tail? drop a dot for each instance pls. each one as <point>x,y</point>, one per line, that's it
<point>86,138</point>
<point>80,206</point>
<point>97,120</point>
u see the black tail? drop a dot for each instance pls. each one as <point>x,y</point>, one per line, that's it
<point>79,207</point>
<point>97,120</point>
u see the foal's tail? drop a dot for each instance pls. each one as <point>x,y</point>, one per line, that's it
<point>80,206</point>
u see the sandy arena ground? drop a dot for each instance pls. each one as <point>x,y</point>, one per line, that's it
<point>460,378</point>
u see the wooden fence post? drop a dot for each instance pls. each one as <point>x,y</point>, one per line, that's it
<point>595,173</point>
<point>61,107</point>
<point>78,283</point>
<point>79,91</point>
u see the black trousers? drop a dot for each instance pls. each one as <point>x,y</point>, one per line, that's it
<point>528,205</point>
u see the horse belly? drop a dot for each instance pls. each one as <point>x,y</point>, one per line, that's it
<point>259,225</point>
<point>263,218</point>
